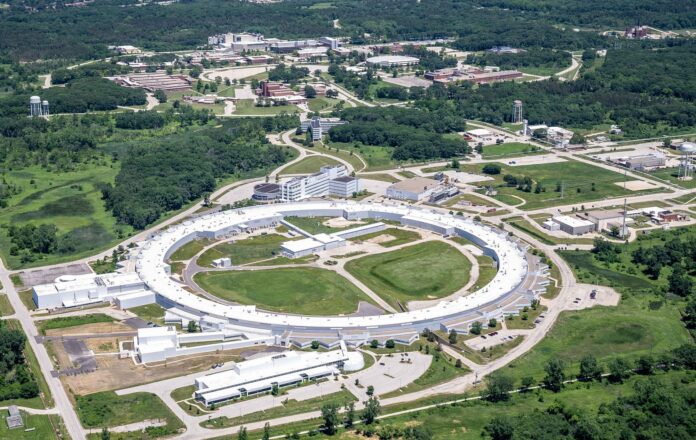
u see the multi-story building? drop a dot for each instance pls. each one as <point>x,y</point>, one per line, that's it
<point>320,126</point>
<point>317,184</point>
<point>344,186</point>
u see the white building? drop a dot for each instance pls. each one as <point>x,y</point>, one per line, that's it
<point>222,262</point>
<point>78,290</point>
<point>415,189</point>
<point>480,135</point>
<point>323,242</point>
<point>344,186</point>
<point>573,225</point>
<point>317,184</point>
<point>320,126</point>
<point>330,42</point>
<point>385,61</point>
<point>283,369</point>
<point>560,137</point>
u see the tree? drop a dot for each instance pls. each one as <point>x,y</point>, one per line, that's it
<point>689,314</point>
<point>266,429</point>
<point>527,382</point>
<point>458,363</point>
<point>679,282</point>
<point>192,327</point>
<point>491,168</point>
<point>390,343</point>
<point>370,390</point>
<point>492,323</point>
<point>645,365</point>
<point>455,164</point>
<point>105,434</point>
<point>500,428</point>
<point>619,370</point>
<point>589,369</point>
<point>315,345</point>
<point>476,328</point>
<point>554,375</point>
<point>160,96</point>
<point>275,389</point>
<point>498,387</point>
<point>349,417</point>
<point>310,92</point>
<point>242,434</point>
<point>374,343</point>
<point>329,414</point>
<point>453,336</point>
<point>371,411</point>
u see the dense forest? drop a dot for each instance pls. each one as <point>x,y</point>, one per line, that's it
<point>647,91</point>
<point>184,25</point>
<point>16,381</point>
<point>163,174</point>
<point>413,134</point>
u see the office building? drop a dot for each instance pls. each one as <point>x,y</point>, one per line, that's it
<point>601,219</point>
<point>330,42</point>
<point>386,61</point>
<point>78,290</point>
<point>266,192</point>
<point>414,189</point>
<point>344,186</point>
<point>320,126</point>
<point>643,162</point>
<point>316,185</point>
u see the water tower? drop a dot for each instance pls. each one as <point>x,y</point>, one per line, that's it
<point>44,108</point>
<point>517,111</point>
<point>34,106</point>
<point>686,166</point>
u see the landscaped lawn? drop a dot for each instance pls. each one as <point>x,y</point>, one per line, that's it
<point>71,201</point>
<point>248,107</point>
<point>309,165</point>
<point>303,290</point>
<point>322,103</point>
<point>423,271</point>
<point>349,156</point>
<point>102,409</point>
<point>315,225</point>
<point>377,158</point>
<point>512,149</point>
<point>671,175</point>
<point>576,177</point>
<point>6,308</point>
<point>252,249</point>
<point>381,177</point>
<point>149,312</point>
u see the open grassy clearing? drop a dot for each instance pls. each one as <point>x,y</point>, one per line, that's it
<point>71,321</point>
<point>671,175</point>
<point>377,158</point>
<point>512,149</point>
<point>71,201</point>
<point>6,308</point>
<point>149,312</point>
<point>247,107</point>
<point>249,250</point>
<point>576,177</point>
<point>107,409</point>
<point>322,103</point>
<point>301,290</point>
<point>348,156</point>
<point>468,197</point>
<point>399,276</point>
<point>36,427</point>
<point>315,225</point>
<point>487,271</point>
<point>399,237</point>
<point>381,177</point>
<point>491,353</point>
<point>189,250</point>
<point>309,165</point>
<point>290,408</point>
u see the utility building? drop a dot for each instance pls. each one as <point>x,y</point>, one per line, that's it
<point>414,189</point>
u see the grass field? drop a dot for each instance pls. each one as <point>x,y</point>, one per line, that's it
<point>71,201</point>
<point>381,177</point>
<point>247,107</point>
<point>400,236</point>
<point>149,312</point>
<point>487,271</point>
<point>36,427</point>
<point>189,250</point>
<point>315,225</point>
<point>348,156</point>
<point>290,408</point>
<point>6,308</point>
<point>671,175</point>
<point>322,103</point>
<point>107,409</point>
<point>377,158</point>
<point>512,149</point>
<point>260,247</point>
<point>399,276</point>
<point>302,290</point>
<point>71,321</point>
<point>576,177</point>
<point>311,164</point>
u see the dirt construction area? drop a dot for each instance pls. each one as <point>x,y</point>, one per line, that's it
<point>637,185</point>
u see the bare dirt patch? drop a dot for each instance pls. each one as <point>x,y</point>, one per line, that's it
<point>340,222</point>
<point>103,345</point>
<point>384,238</point>
<point>636,185</point>
<point>90,329</point>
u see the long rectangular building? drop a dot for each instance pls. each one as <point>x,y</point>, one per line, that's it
<point>328,179</point>
<point>77,290</point>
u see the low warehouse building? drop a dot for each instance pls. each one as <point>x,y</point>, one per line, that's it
<point>266,192</point>
<point>574,225</point>
<point>601,219</point>
<point>78,290</point>
<point>386,61</point>
<point>415,189</point>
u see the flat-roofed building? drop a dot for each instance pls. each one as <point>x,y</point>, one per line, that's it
<point>645,162</point>
<point>14,419</point>
<point>344,186</point>
<point>392,61</point>
<point>479,135</point>
<point>574,225</point>
<point>277,370</point>
<point>266,192</point>
<point>601,219</point>
<point>322,242</point>
<point>414,189</point>
<point>320,126</point>
<point>77,290</point>
<point>492,77</point>
<point>317,184</point>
